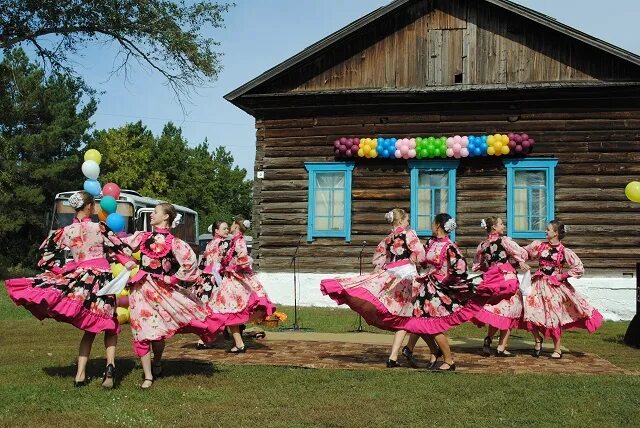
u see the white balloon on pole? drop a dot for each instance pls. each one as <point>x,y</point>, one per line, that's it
<point>91,169</point>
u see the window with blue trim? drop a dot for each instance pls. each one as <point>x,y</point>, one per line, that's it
<point>530,196</point>
<point>329,207</point>
<point>433,191</point>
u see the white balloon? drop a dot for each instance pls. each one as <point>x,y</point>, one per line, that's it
<point>91,169</point>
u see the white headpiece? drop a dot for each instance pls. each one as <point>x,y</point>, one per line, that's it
<point>565,228</point>
<point>76,201</point>
<point>246,224</point>
<point>450,225</point>
<point>176,221</point>
<point>389,216</point>
<point>210,228</point>
<point>483,223</point>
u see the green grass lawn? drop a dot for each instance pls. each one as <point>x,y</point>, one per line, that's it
<point>37,367</point>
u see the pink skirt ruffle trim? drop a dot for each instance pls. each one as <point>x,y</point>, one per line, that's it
<point>590,324</point>
<point>51,303</point>
<point>256,304</point>
<point>486,318</point>
<point>376,314</point>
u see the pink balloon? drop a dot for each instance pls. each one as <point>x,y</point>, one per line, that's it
<point>343,140</point>
<point>512,144</point>
<point>111,189</point>
<point>412,143</point>
<point>456,155</point>
<point>457,139</point>
<point>336,144</point>
<point>525,144</point>
<point>511,135</point>
<point>450,152</point>
<point>456,148</point>
<point>517,138</point>
<point>343,148</point>
<point>464,152</point>
<point>465,141</point>
<point>398,154</point>
<point>412,153</point>
<point>525,136</point>
<point>398,144</point>
<point>348,153</point>
<point>531,142</point>
<point>450,142</point>
<point>518,149</point>
<point>404,149</point>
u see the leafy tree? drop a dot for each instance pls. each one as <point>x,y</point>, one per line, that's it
<point>42,122</point>
<point>166,36</point>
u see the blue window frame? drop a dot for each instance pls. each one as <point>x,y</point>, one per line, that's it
<point>329,208</point>
<point>530,196</point>
<point>433,191</point>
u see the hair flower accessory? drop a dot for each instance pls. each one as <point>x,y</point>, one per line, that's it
<point>76,201</point>
<point>483,223</point>
<point>176,221</point>
<point>246,224</point>
<point>389,217</point>
<point>565,228</point>
<point>450,225</point>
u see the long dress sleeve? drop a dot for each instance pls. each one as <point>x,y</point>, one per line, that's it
<point>514,250</point>
<point>380,255</point>
<point>479,262</point>
<point>51,252</point>
<point>115,249</point>
<point>576,268</point>
<point>134,241</point>
<point>416,248</point>
<point>533,250</point>
<point>241,261</point>
<point>211,254</point>
<point>186,258</point>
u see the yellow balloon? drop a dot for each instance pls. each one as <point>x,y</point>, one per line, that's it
<point>632,191</point>
<point>505,150</point>
<point>490,139</point>
<point>360,153</point>
<point>136,255</point>
<point>497,145</point>
<point>94,155</point>
<point>505,139</point>
<point>123,315</point>
<point>123,293</point>
<point>374,154</point>
<point>491,151</point>
<point>134,271</point>
<point>116,268</point>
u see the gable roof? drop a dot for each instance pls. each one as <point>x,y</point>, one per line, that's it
<point>343,33</point>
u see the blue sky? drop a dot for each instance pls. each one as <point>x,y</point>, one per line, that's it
<point>262,33</point>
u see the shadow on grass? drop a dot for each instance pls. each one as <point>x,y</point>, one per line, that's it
<point>223,344</point>
<point>95,369</point>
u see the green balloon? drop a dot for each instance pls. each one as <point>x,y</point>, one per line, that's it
<point>108,204</point>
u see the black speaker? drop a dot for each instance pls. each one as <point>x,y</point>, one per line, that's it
<point>632,336</point>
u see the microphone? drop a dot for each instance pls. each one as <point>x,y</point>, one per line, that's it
<point>297,247</point>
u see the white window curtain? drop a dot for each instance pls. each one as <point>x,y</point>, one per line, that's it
<point>329,199</point>
<point>530,201</point>
<point>433,196</point>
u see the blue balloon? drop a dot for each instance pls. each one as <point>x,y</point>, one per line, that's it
<point>92,187</point>
<point>115,222</point>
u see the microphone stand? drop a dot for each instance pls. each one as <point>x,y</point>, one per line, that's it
<point>294,264</point>
<point>360,329</point>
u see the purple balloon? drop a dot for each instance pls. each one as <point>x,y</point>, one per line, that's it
<point>525,144</point>
<point>336,144</point>
<point>511,135</point>
<point>518,149</point>
<point>343,140</point>
<point>348,153</point>
<point>531,142</point>
<point>517,138</point>
<point>337,152</point>
<point>343,148</point>
<point>512,144</point>
<point>525,137</point>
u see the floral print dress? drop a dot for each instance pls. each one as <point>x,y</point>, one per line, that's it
<point>498,257</point>
<point>241,297</point>
<point>160,301</point>
<point>211,261</point>
<point>67,292</point>
<point>382,297</point>
<point>554,305</point>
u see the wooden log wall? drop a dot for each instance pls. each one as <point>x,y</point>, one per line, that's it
<point>598,152</point>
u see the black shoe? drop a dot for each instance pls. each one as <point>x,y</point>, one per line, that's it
<point>537,352</point>
<point>504,354</point>
<point>408,354</point>
<point>79,384</point>
<point>392,363</point>
<point>432,364</point>
<point>486,346</point>
<point>451,368</point>
<point>556,353</point>
<point>261,335</point>
<point>236,350</point>
<point>108,377</point>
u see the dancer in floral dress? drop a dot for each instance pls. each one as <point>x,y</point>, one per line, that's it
<point>554,305</point>
<point>503,253</point>
<point>160,301</point>
<point>387,294</point>
<point>210,278</point>
<point>241,297</point>
<point>66,292</point>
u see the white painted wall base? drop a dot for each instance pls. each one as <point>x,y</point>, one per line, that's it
<point>615,298</point>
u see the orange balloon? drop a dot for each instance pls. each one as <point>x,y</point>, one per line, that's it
<point>102,215</point>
